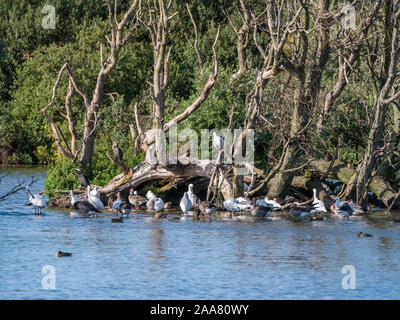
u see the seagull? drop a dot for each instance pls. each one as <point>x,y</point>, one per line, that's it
<point>150,195</point>
<point>117,151</point>
<point>37,200</point>
<point>83,206</point>
<point>156,204</point>
<point>275,205</point>
<point>318,204</point>
<point>243,203</point>
<point>94,200</point>
<point>191,195</point>
<point>218,142</point>
<point>207,208</point>
<point>185,203</point>
<point>135,199</point>
<point>231,205</point>
<point>117,203</point>
<point>95,193</point>
<point>82,179</point>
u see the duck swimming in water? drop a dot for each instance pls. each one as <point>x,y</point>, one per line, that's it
<point>63,254</point>
<point>364,235</point>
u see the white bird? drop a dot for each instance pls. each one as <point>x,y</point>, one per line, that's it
<point>156,204</point>
<point>318,204</point>
<point>151,195</point>
<point>74,198</point>
<point>272,203</point>
<point>185,203</point>
<point>95,193</point>
<point>117,203</point>
<point>37,200</point>
<point>262,202</point>
<point>231,205</point>
<point>218,141</point>
<point>191,195</point>
<point>96,202</point>
<point>243,203</point>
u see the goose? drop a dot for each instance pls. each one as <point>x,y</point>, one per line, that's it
<point>191,195</point>
<point>318,204</point>
<point>94,200</point>
<point>342,208</point>
<point>63,254</point>
<point>231,205</point>
<point>272,203</point>
<point>364,235</point>
<point>185,203</point>
<point>207,208</point>
<point>218,142</point>
<point>37,200</point>
<point>82,206</point>
<point>260,211</point>
<point>135,199</point>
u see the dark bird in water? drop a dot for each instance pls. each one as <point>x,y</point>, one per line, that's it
<point>207,208</point>
<point>82,179</point>
<point>160,214</point>
<point>63,254</point>
<point>82,206</point>
<point>117,151</point>
<point>120,219</point>
<point>260,211</point>
<point>364,235</point>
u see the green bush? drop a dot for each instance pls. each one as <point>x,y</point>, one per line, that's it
<point>61,176</point>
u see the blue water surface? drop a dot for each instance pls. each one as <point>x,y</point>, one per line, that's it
<point>144,258</point>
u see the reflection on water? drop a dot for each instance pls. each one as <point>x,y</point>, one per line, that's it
<point>144,258</point>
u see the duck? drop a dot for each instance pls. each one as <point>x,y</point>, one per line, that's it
<point>63,254</point>
<point>319,206</point>
<point>94,199</point>
<point>185,203</point>
<point>191,195</point>
<point>37,200</point>
<point>231,205</point>
<point>135,199</point>
<point>120,219</point>
<point>82,206</point>
<point>207,208</point>
<point>364,235</point>
<point>260,211</point>
<point>159,215</point>
<point>342,208</point>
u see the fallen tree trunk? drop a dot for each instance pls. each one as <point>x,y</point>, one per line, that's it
<point>378,184</point>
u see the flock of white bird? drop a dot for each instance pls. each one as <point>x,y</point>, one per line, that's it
<point>258,207</point>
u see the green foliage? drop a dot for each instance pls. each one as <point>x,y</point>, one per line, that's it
<point>61,176</point>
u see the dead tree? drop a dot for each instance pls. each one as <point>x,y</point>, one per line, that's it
<point>120,33</point>
<point>375,147</point>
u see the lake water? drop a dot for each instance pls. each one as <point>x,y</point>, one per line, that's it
<point>172,259</point>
